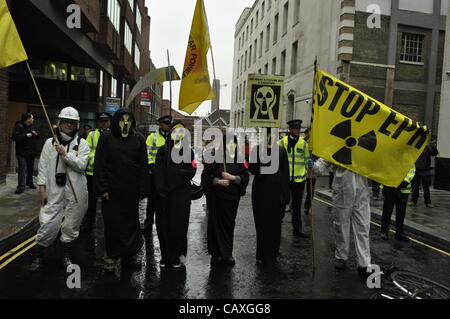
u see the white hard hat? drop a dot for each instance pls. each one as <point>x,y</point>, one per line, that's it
<point>69,113</point>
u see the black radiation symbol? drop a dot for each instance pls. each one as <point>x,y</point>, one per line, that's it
<point>344,131</point>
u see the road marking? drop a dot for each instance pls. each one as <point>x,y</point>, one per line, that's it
<point>412,239</point>
<point>12,251</point>
<point>3,265</point>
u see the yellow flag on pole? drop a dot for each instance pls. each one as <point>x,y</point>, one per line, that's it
<point>11,48</point>
<point>195,83</point>
<point>355,131</point>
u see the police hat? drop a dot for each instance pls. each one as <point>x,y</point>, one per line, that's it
<point>104,116</point>
<point>167,119</point>
<point>295,123</point>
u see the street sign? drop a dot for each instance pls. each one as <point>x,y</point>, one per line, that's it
<point>112,104</point>
<point>146,98</point>
<point>264,100</point>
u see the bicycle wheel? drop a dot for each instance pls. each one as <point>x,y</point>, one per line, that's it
<point>418,286</point>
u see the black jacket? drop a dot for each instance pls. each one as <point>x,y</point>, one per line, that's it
<point>423,163</point>
<point>25,146</point>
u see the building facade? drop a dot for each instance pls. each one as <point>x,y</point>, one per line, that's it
<point>390,49</point>
<point>76,65</point>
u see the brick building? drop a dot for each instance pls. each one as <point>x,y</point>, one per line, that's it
<point>75,66</point>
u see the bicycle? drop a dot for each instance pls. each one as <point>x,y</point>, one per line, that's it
<point>410,285</point>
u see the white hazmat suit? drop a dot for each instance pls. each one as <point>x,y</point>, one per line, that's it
<point>351,211</point>
<point>61,201</point>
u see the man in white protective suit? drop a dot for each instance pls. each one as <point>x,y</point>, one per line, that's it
<point>57,163</point>
<point>351,211</point>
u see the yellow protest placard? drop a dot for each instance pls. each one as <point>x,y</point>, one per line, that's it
<point>355,131</point>
<point>264,100</point>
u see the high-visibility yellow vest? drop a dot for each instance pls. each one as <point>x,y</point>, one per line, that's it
<point>297,158</point>
<point>92,141</point>
<point>409,177</point>
<point>154,142</point>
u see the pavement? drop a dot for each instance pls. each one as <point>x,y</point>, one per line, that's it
<point>18,214</point>
<point>431,224</point>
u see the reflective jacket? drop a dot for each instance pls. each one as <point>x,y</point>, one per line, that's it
<point>409,177</point>
<point>297,158</point>
<point>154,142</point>
<point>92,141</point>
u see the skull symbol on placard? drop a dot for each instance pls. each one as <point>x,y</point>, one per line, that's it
<point>265,100</point>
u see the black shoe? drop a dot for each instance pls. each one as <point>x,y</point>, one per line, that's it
<point>307,211</point>
<point>429,205</point>
<point>111,265</point>
<point>384,236</point>
<point>339,264</point>
<point>147,228</point>
<point>229,261</point>
<point>300,234</point>
<point>133,261</point>
<point>402,238</point>
<point>215,261</point>
<point>20,190</point>
<point>32,186</point>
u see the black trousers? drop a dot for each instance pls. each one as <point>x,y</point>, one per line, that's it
<point>151,208</point>
<point>375,188</point>
<point>308,200</point>
<point>330,180</point>
<point>426,182</point>
<point>297,190</point>
<point>393,197</point>
<point>92,201</point>
<point>25,170</point>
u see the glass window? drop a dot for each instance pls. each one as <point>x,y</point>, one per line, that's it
<point>100,86</point>
<point>49,70</point>
<point>114,13</point>
<point>131,4</point>
<point>79,73</point>
<point>412,48</point>
<point>137,56</point>
<point>128,38</point>
<point>138,19</point>
<point>113,87</point>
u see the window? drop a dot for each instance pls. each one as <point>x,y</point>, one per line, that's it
<point>266,68</point>
<point>256,47</point>
<point>239,46</point>
<point>128,39</point>
<point>246,35</point>
<point>268,37</point>
<point>78,73</point>
<point>242,62</point>
<point>283,62</point>
<point>261,43</point>
<point>294,58</point>
<point>237,93</point>
<point>138,19</point>
<point>131,2</point>
<point>245,62</point>
<point>412,48</point>
<point>275,29</point>
<point>238,66</point>
<point>296,11</point>
<point>114,13</point>
<point>100,84</point>
<point>113,87</point>
<point>269,4</point>
<point>240,91</point>
<point>285,16</point>
<point>259,71</point>
<point>251,27</point>
<point>243,90</point>
<point>137,56</point>
<point>262,10</point>
<point>274,66</point>
<point>257,18</point>
<point>250,57</point>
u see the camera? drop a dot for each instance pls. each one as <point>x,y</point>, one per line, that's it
<point>61,179</point>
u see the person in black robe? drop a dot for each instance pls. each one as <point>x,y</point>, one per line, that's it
<point>224,185</point>
<point>172,182</point>
<point>120,164</point>
<point>270,195</point>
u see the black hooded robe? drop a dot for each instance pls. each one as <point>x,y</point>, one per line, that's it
<point>270,194</point>
<point>223,203</point>
<point>120,165</point>
<point>173,203</point>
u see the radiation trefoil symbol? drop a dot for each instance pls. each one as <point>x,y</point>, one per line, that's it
<point>344,131</point>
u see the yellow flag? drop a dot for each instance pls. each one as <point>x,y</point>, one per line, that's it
<point>11,48</point>
<point>355,131</point>
<point>195,83</point>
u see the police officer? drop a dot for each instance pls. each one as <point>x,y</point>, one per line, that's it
<point>298,153</point>
<point>397,197</point>
<point>103,123</point>
<point>154,141</point>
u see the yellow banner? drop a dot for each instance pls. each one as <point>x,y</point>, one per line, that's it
<point>264,100</point>
<point>195,83</point>
<point>355,131</point>
<point>11,48</point>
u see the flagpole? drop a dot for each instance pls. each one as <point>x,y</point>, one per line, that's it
<point>50,125</point>
<point>170,81</point>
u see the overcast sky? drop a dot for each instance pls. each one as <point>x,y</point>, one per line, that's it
<point>169,30</point>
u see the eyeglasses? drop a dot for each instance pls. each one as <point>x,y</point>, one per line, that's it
<point>68,122</point>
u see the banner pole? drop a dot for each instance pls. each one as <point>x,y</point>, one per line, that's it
<point>50,125</point>
<point>170,82</point>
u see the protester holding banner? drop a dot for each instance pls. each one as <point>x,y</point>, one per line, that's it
<point>270,195</point>
<point>298,152</point>
<point>173,195</point>
<point>224,184</point>
<point>397,197</point>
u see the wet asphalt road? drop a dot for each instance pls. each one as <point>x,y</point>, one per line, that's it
<point>292,277</point>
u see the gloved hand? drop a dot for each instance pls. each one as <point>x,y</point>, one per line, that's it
<point>404,184</point>
<point>310,163</point>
